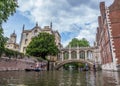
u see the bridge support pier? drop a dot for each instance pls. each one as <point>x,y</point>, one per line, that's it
<point>86,55</point>
<point>78,55</point>
<point>69,55</point>
<point>62,56</point>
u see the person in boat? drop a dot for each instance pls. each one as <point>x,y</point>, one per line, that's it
<point>37,67</point>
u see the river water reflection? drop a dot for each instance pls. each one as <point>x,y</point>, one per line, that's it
<point>59,78</point>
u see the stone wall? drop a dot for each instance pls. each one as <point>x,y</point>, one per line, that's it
<point>15,64</point>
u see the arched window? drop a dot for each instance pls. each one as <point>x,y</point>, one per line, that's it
<point>24,49</point>
<point>66,55</point>
<point>35,32</point>
<point>26,34</point>
<point>26,41</point>
<point>89,54</point>
<point>73,55</point>
<point>82,54</point>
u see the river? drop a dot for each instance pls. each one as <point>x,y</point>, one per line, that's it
<point>59,78</point>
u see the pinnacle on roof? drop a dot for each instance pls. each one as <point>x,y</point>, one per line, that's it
<point>13,34</point>
<point>51,25</point>
<point>23,27</point>
<point>36,24</point>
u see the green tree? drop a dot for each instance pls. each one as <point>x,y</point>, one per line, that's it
<point>42,45</point>
<point>74,43</point>
<point>7,8</point>
<point>81,43</point>
<point>2,42</point>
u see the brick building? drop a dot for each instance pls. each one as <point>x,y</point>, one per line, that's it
<point>108,35</point>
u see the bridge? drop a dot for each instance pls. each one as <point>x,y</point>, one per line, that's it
<point>89,55</point>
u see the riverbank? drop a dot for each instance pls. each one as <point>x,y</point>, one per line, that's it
<point>7,64</point>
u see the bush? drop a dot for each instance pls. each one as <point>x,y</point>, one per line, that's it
<point>11,53</point>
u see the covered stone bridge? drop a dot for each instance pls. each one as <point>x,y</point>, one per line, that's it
<point>61,63</point>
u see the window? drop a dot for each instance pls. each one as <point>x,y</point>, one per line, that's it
<point>82,54</point>
<point>35,32</point>
<point>74,54</point>
<point>26,34</point>
<point>26,41</point>
<point>24,49</point>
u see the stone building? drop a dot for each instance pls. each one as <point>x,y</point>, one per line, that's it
<point>108,35</point>
<point>11,44</point>
<point>27,35</point>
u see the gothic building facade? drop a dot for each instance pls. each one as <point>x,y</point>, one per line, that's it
<point>108,35</point>
<point>27,35</point>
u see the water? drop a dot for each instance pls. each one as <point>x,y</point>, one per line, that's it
<point>59,78</point>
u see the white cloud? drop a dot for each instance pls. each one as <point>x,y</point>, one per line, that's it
<point>63,14</point>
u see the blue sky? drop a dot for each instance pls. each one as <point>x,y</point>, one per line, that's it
<point>72,18</point>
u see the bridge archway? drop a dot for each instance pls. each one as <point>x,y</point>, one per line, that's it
<point>60,64</point>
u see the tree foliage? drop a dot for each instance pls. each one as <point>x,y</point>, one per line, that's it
<point>11,53</point>
<point>7,8</point>
<point>2,42</point>
<point>42,46</point>
<point>81,43</point>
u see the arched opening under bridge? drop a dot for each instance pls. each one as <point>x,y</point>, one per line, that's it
<point>60,64</point>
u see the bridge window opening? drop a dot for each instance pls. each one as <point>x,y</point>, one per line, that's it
<point>82,55</point>
<point>89,55</point>
<point>73,55</point>
<point>66,55</point>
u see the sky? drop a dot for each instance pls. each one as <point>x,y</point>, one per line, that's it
<point>72,18</point>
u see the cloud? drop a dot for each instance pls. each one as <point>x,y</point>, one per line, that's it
<point>77,17</point>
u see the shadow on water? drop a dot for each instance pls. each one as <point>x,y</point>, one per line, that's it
<point>59,78</point>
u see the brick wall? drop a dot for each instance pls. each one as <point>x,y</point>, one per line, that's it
<point>115,24</point>
<point>108,32</point>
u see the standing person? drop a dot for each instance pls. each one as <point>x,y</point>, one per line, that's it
<point>86,67</point>
<point>94,67</point>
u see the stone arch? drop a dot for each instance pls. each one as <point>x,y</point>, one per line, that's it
<point>82,54</point>
<point>73,54</point>
<point>65,55</point>
<point>59,65</point>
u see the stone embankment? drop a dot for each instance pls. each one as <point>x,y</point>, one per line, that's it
<point>15,64</point>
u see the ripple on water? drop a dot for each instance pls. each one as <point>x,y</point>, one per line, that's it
<point>59,78</point>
